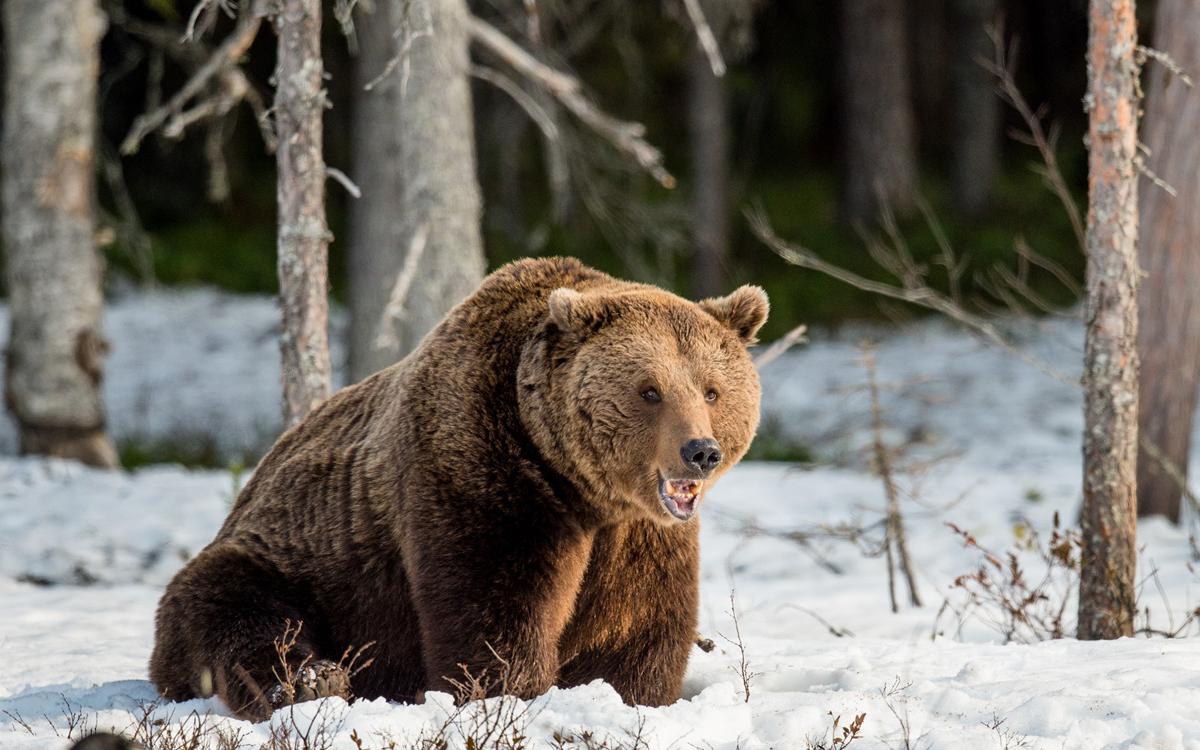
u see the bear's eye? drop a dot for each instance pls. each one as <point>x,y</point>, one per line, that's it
<point>710,395</point>
<point>652,395</point>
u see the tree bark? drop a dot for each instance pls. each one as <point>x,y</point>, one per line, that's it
<point>55,359</point>
<point>880,148</point>
<point>415,162</point>
<point>708,125</point>
<point>1169,309</point>
<point>1109,520</point>
<point>303,241</point>
<point>975,108</point>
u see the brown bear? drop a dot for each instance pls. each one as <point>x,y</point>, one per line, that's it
<point>515,498</point>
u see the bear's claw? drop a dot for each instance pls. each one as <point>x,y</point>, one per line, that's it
<point>320,679</point>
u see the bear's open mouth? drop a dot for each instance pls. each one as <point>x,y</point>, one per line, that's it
<point>679,496</point>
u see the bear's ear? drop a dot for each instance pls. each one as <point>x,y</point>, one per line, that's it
<point>744,311</point>
<point>572,311</point>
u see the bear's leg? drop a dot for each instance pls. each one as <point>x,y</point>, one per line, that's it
<point>227,625</point>
<point>496,617</point>
<point>634,623</point>
<point>645,667</point>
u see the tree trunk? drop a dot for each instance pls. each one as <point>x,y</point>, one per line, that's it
<point>1109,520</point>
<point>415,162</point>
<point>56,348</point>
<point>303,242</point>
<point>708,121</point>
<point>975,108</point>
<point>928,48</point>
<point>880,148</point>
<point>1169,322</point>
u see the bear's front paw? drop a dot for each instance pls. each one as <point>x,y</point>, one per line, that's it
<point>320,679</point>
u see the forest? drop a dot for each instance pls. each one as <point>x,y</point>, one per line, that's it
<point>967,517</point>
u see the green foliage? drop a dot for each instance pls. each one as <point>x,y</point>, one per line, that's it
<point>199,451</point>
<point>772,443</point>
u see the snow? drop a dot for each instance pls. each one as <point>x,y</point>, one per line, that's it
<point>203,363</point>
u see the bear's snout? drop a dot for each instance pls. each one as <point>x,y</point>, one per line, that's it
<point>702,455</point>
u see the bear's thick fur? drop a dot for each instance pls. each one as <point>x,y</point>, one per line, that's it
<point>513,497</point>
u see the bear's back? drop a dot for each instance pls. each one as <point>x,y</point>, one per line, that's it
<point>340,468</point>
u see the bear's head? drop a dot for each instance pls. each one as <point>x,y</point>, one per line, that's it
<point>643,398</point>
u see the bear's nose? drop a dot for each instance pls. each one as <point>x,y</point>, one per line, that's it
<point>702,454</point>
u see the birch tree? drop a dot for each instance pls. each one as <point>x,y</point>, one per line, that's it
<point>1109,519</point>
<point>415,245</point>
<point>1169,308</point>
<point>55,358</point>
<point>303,236</point>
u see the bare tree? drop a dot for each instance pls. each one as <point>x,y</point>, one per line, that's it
<point>1109,519</point>
<point>303,236</point>
<point>56,349</point>
<point>975,108</point>
<point>929,48</point>
<point>415,161</point>
<point>1169,310</point>
<point>880,146</point>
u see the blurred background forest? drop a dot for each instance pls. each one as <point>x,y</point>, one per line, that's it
<point>933,145</point>
<point>776,131</point>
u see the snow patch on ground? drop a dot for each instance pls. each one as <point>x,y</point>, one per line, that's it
<point>70,650</point>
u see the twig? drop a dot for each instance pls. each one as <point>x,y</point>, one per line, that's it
<point>342,179</point>
<point>628,137</point>
<point>743,667</point>
<point>526,102</point>
<point>704,33</point>
<point>1164,59</point>
<point>780,346</point>
<point>385,338</point>
<point>913,292</point>
<point>223,60</point>
<point>895,542</point>
<point>1002,66</point>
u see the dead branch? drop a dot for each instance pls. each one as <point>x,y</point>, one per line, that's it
<point>913,289</point>
<point>894,540</point>
<point>627,137</point>
<point>1164,59</point>
<point>536,112</point>
<point>743,668</point>
<point>780,346</point>
<point>393,313</point>
<point>704,34</point>
<point>174,116</point>
<point>1003,67</point>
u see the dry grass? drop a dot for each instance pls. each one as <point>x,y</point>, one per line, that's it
<point>1002,594</point>
<point>839,736</point>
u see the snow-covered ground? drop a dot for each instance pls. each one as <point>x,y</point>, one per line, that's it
<point>992,446</point>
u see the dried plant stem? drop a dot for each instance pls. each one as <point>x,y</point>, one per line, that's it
<point>895,541</point>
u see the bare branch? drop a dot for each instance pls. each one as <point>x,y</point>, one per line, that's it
<point>1164,59</point>
<point>704,34</point>
<point>1002,66</point>
<point>627,137</point>
<point>385,338</point>
<point>895,541</point>
<point>526,102</point>
<point>780,346</point>
<point>223,62</point>
<point>912,291</point>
